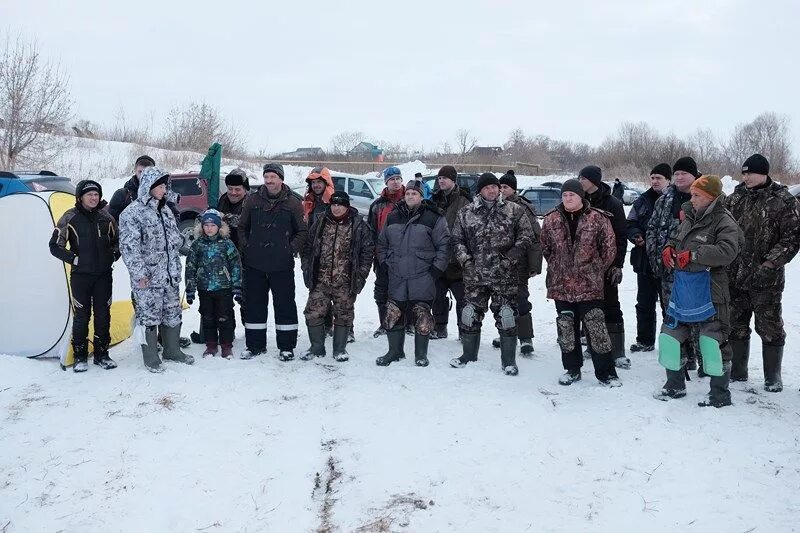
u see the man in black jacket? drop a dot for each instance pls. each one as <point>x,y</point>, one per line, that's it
<point>599,196</point>
<point>93,241</point>
<point>648,285</point>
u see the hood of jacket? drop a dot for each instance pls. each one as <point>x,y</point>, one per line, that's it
<point>149,176</point>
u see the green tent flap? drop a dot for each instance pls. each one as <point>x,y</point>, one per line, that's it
<point>209,171</point>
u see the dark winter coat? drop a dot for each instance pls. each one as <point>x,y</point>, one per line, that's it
<point>232,213</point>
<point>92,237</point>
<point>123,197</point>
<point>663,221</point>
<point>491,240</point>
<point>381,208</point>
<point>410,244</point>
<point>576,268</point>
<point>532,262</point>
<point>618,191</point>
<point>213,264</point>
<point>638,218</point>
<point>357,254</point>
<point>271,230</point>
<point>714,239</point>
<point>149,239</point>
<point>603,200</point>
<point>770,223</point>
<point>451,203</point>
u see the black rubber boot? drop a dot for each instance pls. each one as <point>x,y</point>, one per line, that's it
<point>316,335</point>
<point>470,343</point>
<point>396,338</point>
<point>508,355</point>
<point>719,395</point>
<point>170,336</point>
<point>421,349</point>
<point>150,350</point>
<point>741,357</point>
<point>675,387</point>
<point>616,332</point>
<point>340,335</point>
<point>773,358</point>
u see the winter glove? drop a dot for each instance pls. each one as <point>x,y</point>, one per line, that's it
<point>435,272</point>
<point>684,258</point>
<point>237,295</point>
<point>190,297</point>
<point>668,257</point>
<point>614,275</point>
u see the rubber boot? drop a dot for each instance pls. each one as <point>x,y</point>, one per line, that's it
<point>675,387</point>
<point>741,357</point>
<point>80,354</point>
<point>171,337</point>
<point>340,335</point>
<point>719,395</point>
<point>396,338</point>
<point>525,334</point>
<point>381,318</point>
<point>421,349</point>
<point>773,357</point>
<point>316,334</point>
<point>508,355</point>
<point>470,342</point>
<point>616,332</point>
<point>150,350</point>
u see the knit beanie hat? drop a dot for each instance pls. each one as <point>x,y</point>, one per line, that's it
<point>510,179</point>
<point>414,185</point>
<point>237,177</point>
<point>85,186</point>
<point>340,198</point>
<point>686,164</point>
<point>756,164</point>
<point>592,173</point>
<point>487,178</point>
<point>573,185</point>
<point>390,173</point>
<point>144,161</point>
<point>662,169</point>
<point>211,215</point>
<point>710,186</point>
<point>277,168</point>
<point>448,171</point>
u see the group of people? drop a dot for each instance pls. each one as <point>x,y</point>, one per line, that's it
<point>712,261</point>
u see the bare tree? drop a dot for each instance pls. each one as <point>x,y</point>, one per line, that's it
<point>345,141</point>
<point>465,141</point>
<point>34,103</point>
<point>767,134</point>
<point>196,126</point>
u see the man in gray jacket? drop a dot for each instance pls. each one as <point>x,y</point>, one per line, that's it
<point>414,248</point>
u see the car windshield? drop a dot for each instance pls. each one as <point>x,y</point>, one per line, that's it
<point>377,184</point>
<point>60,185</point>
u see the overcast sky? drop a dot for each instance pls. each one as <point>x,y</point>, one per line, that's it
<point>295,73</point>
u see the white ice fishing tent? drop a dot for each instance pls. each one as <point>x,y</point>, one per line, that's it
<point>34,291</point>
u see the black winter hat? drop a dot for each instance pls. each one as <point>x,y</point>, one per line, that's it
<point>662,169</point>
<point>145,161</point>
<point>756,164</point>
<point>340,198</point>
<point>509,179</point>
<point>448,172</point>
<point>277,168</point>
<point>236,177</point>
<point>686,164</point>
<point>85,186</point>
<point>487,178</point>
<point>573,185</point>
<point>592,173</point>
<point>414,185</point>
<point>418,175</point>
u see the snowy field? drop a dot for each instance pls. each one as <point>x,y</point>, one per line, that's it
<point>322,446</point>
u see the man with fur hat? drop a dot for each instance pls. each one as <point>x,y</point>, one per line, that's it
<point>214,270</point>
<point>579,245</point>
<point>599,196</point>
<point>150,242</point>
<point>648,286</point>
<point>449,198</point>
<point>491,237</point>
<point>271,233</point>
<point>230,204</point>
<point>336,260</point>
<point>379,211</point>
<point>529,266</point>
<point>698,253</point>
<point>93,241</point>
<point>413,250</point>
<point>768,215</point>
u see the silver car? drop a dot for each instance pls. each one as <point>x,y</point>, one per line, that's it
<point>363,190</point>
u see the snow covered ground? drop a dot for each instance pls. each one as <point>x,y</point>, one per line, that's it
<point>322,446</point>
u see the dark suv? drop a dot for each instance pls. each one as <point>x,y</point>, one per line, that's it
<point>544,199</point>
<point>33,180</point>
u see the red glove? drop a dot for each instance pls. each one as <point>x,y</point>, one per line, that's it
<point>684,258</point>
<point>668,257</point>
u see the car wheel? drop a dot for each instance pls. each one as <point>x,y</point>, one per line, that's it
<point>186,227</point>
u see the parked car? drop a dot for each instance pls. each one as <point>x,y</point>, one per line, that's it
<point>544,199</point>
<point>363,190</point>
<point>630,194</point>
<point>795,190</point>
<point>467,181</point>
<point>33,180</point>
<point>552,184</point>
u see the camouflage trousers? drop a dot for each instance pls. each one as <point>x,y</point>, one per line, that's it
<point>158,305</point>
<point>415,312</point>
<point>504,307</point>
<point>324,297</point>
<point>768,311</point>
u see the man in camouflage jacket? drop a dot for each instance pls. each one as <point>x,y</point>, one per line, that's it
<point>336,260</point>
<point>491,238</point>
<point>768,215</point>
